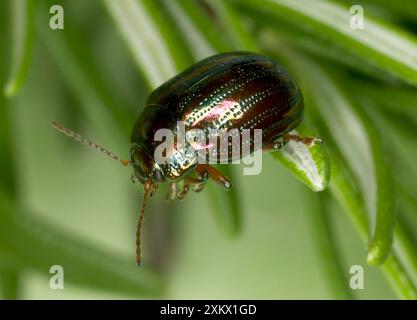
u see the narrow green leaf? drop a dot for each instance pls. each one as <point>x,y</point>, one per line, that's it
<point>311,165</point>
<point>36,245</point>
<point>407,203</point>
<point>179,51</point>
<point>381,242</point>
<point>21,44</point>
<point>385,197</point>
<point>326,244</point>
<point>199,45</point>
<point>405,247</point>
<point>144,39</point>
<point>393,99</point>
<point>215,36</point>
<point>398,124</point>
<point>392,50</point>
<point>399,279</point>
<point>397,129</point>
<point>234,26</point>
<point>346,191</point>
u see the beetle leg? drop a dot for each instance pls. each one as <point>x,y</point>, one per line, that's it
<point>275,145</point>
<point>172,191</point>
<point>185,189</point>
<point>215,174</point>
<point>188,182</point>
<point>202,173</point>
<point>308,141</point>
<point>199,183</point>
<point>199,186</point>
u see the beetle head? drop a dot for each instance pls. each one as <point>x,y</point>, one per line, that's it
<point>145,167</point>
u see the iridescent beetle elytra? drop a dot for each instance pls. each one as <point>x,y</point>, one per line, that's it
<point>262,94</point>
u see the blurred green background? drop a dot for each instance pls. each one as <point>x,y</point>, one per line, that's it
<point>272,237</point>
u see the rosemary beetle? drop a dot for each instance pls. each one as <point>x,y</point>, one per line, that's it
<point>228,91</point>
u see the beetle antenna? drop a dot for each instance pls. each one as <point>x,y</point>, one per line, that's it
<point>79,138</point>
<point>147,188</point>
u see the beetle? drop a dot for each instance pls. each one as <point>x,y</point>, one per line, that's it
<point>234,90</point>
